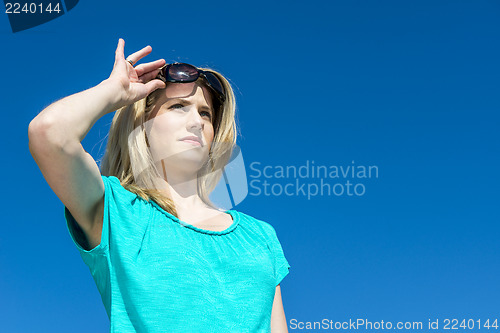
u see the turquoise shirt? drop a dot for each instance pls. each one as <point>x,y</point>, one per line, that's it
<point>156,273</point>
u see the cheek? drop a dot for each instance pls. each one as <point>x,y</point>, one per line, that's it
<point>165,122</point>
<point>209,133</point>
<point>161,129</point>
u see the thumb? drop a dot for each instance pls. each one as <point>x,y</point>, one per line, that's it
<point>155,84</point>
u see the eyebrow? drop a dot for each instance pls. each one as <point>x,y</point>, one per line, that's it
<point>205,107</point>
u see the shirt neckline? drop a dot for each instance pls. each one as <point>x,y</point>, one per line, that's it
<point>234,214</point>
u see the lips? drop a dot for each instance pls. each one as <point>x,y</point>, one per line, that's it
<point>192,138</point>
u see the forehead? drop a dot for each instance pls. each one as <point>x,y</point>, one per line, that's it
<point>193,91</point>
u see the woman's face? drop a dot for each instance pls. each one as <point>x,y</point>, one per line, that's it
<point>184,109</point>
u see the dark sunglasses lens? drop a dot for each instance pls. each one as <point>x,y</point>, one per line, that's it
<point>215,83</point>
<point>183,72</point>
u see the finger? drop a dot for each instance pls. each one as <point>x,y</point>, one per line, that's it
<point>146,77</point>
<point>136,56</point>
<point>150,66</point>
<point>155,84</point>
<point>119,50</point>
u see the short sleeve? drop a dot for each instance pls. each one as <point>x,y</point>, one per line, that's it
<point>77,235</point>
<point>125,220</point>
<point>281,265</point>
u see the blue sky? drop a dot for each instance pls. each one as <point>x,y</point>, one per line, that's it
<point>409,87</point>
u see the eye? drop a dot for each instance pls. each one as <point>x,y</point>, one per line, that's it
<point>207,113</point>
<point>175,106</point>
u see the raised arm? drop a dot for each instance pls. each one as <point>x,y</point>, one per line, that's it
<point>55,136</point>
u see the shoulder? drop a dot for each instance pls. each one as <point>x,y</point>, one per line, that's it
<point>112,182</point>
<point>119,197</point>
<point>256,223</point>
<point>114,185</point>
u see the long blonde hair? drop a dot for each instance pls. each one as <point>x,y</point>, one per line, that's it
<point>127,148</point>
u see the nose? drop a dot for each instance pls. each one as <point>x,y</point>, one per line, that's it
<point>194,119</point>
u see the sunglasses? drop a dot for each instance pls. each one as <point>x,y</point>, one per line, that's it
<point>181,72</point>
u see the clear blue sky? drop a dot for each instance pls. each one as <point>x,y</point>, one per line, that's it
<point>409,87</point>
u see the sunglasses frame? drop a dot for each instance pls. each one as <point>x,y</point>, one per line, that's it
<point>164,75</point>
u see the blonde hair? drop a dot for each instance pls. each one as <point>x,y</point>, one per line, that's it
<point>127,148</point>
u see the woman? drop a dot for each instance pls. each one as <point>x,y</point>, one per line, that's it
<point>163,257</point>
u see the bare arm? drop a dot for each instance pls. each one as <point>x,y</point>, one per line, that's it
<point>55,136</point>
<point>278,319</point>
<point>72,117</point>
<point>72,173</point>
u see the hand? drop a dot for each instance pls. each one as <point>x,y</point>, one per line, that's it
<point>135,83</point>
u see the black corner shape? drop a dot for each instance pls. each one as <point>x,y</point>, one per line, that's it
<point>24,15</point>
